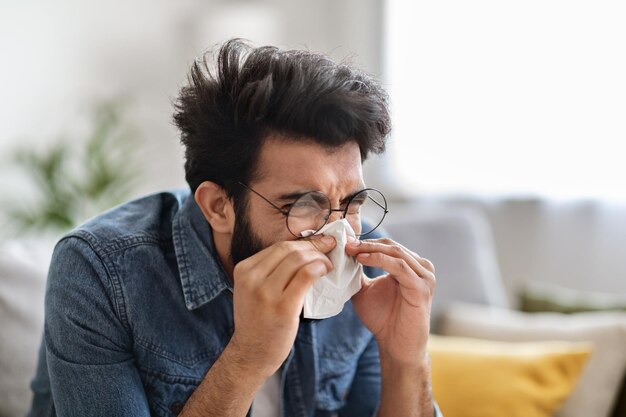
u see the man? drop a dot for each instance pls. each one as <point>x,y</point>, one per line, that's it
<point>190,304</point>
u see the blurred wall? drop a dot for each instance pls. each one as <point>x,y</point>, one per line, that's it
<point>59,57</point>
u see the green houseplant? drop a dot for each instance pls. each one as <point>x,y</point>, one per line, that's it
<point>75,180</point>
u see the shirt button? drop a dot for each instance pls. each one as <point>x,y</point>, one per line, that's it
<point>176,407</point>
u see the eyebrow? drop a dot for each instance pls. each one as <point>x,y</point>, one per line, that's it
<point>297,194</point>
<point>292,196</point>
<point>353,193</point>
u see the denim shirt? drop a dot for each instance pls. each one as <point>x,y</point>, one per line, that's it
<point>138,308</point>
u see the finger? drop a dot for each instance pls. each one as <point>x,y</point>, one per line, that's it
<point>397,267</point>
<point>286,270</point>
<point>322,243</point>
<point>304,278</point>
<point>386,241</point>
<point>391,248</point>
<point>264,262</point>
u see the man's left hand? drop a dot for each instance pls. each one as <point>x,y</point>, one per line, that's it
<point>395,307</point>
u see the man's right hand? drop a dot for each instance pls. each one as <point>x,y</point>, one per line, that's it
<point>269,292</point>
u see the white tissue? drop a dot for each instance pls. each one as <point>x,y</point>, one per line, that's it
<point>329,293</point>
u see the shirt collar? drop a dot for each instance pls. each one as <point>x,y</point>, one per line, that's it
<point>201,273</point>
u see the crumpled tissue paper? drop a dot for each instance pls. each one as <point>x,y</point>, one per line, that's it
<point>329,293</point>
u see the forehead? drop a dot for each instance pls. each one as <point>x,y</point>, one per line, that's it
<point>306,165</point>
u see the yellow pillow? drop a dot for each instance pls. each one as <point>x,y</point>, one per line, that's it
<point>483,378</point>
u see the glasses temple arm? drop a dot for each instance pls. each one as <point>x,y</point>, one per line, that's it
<point>380,205</point>
<point>268,201</point>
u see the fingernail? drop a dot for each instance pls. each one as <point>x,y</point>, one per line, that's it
<point>328,240</point>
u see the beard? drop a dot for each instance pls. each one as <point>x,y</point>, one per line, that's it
<point>246,242</point>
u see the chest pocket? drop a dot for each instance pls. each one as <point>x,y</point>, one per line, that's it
<point>168,380</point>
<point>175,347</point>
<point>167,394</point>
<point>336,372</point>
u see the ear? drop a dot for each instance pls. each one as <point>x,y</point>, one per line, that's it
<point>216,207</point>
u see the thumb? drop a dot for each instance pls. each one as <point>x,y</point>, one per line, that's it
<point>323,244</point>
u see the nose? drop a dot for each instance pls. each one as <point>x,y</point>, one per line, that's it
<point>335,215</point>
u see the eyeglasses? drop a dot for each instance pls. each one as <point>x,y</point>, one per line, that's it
<point>311,211</point>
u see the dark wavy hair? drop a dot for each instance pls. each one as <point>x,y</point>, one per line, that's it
<point>225,113</point>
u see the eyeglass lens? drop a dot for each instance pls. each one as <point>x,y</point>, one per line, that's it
<point>311,211</point>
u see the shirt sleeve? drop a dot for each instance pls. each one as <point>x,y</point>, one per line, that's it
<point>88,347</point>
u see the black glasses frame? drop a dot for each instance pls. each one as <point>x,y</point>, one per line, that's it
<point>330,210</point>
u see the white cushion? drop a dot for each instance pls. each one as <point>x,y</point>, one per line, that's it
<point>599,384</point>
<point>23,266</point>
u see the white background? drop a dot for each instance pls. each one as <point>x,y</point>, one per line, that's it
<point>509,97</point>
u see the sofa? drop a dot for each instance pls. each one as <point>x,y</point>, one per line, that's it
<point>486,252</point>
<point>516,332</point>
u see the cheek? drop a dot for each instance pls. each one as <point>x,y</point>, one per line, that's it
<point>270,228</point>
<point>277,232</point>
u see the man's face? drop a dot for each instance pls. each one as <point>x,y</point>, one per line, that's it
<point>287,168</point>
